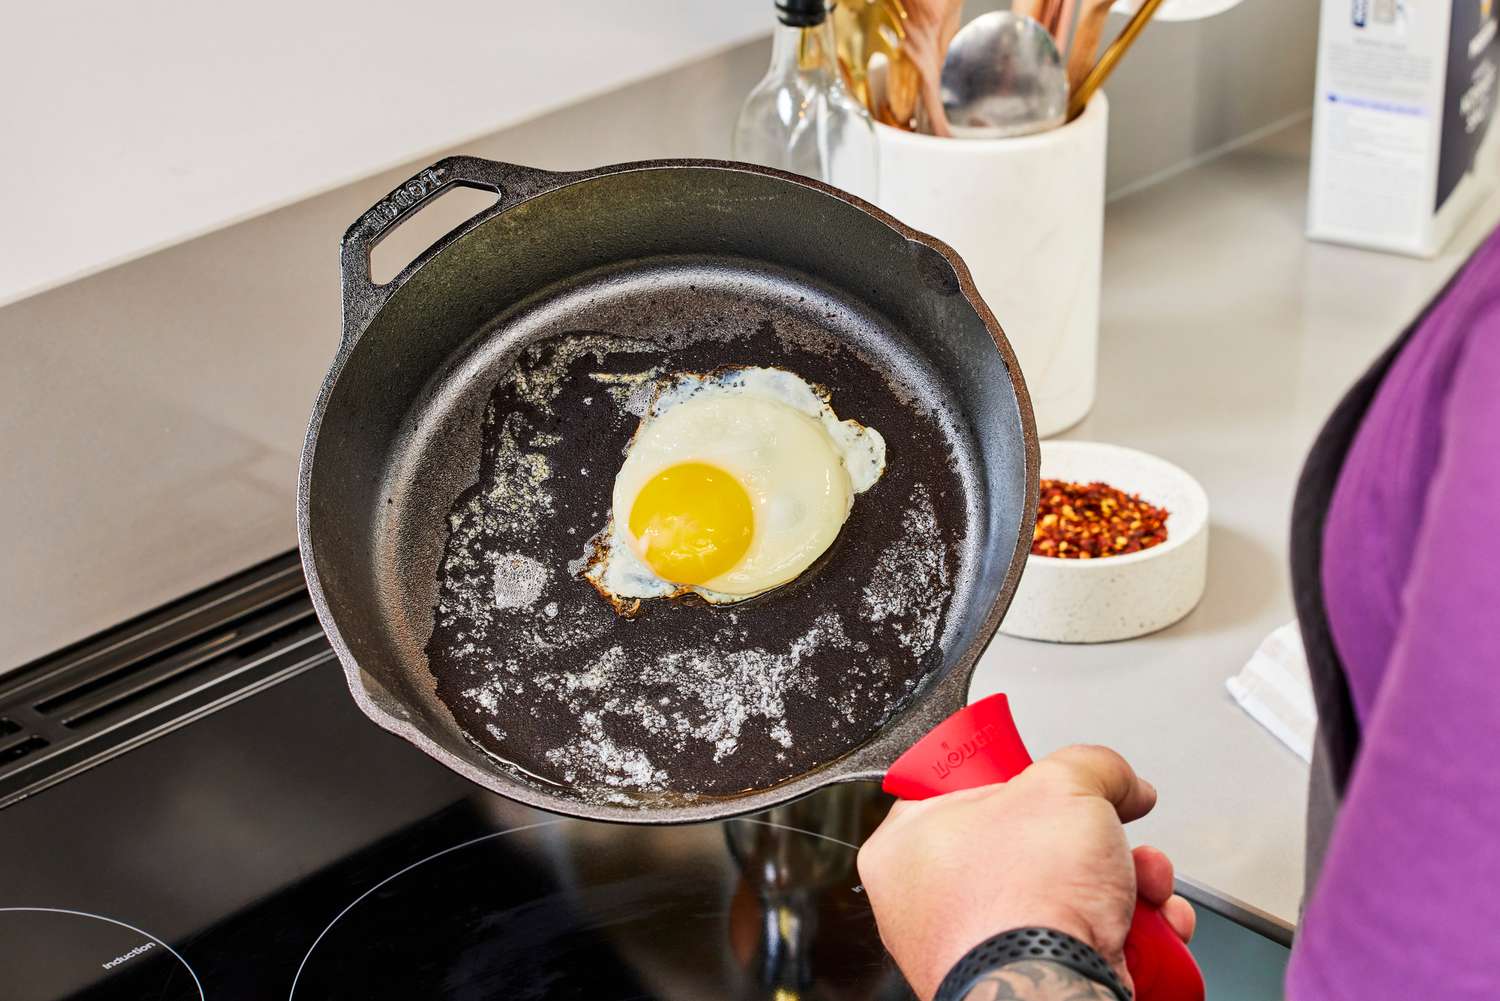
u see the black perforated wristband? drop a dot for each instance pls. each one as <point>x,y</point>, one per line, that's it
<point>1028,944</point>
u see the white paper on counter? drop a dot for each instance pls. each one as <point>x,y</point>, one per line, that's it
<point>1275,689</point>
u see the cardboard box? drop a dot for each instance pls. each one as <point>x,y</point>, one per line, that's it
<point>1406,89</point>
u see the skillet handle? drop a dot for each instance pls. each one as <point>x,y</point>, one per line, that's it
<point>362,297</point>
<point>979,745</point>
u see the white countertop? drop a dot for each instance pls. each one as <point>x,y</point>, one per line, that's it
<point>200,115</point>
<point>1226,340</point>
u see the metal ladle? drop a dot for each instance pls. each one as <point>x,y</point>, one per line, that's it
<point>1003,76</point>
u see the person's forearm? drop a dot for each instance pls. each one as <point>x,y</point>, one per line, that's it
<point>1036,980</point>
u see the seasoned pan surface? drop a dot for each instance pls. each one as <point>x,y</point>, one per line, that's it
<point>684,697</point>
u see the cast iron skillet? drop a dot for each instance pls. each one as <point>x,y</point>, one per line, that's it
<point>393,438</point>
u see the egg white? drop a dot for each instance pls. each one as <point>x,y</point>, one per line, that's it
<point>779,437</point>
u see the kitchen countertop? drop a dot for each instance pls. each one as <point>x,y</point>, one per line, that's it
<point>154,414</point>
<point>1226,338</point>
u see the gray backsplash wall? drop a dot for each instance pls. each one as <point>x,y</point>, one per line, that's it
<point>1184,90</point>
<point>151,416</point>
<point>1188,88</point>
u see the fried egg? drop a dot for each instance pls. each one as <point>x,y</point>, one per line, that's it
<point>734,483</point>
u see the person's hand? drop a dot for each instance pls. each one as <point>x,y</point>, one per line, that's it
<point>1046,848</point>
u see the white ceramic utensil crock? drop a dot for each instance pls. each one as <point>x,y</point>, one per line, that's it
<point>1027,215</point>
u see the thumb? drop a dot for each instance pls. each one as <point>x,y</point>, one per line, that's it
<point>1099,771</point>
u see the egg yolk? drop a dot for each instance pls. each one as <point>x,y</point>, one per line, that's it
<point>693,521</point>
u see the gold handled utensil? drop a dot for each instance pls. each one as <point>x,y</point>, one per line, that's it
<point>1101,70</point>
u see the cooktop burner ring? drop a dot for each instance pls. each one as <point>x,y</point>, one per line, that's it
<point>292,994</point>
<point>152,939</point>
<point>788,827</point>
<point>486,956</point>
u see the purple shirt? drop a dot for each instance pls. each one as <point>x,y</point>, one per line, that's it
<point>1408,902</point>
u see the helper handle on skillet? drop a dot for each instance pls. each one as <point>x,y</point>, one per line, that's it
<point>978,746</point>
<point>362,297</point>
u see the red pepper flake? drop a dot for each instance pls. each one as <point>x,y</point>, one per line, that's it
<point>1087,521</point>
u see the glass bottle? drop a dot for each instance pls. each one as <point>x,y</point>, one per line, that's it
<point>800,117</point>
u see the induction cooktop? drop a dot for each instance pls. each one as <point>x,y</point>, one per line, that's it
<point>228,826</point>
<point>192,807</point>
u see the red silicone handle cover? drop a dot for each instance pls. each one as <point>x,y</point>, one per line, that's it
<point>979,745</point>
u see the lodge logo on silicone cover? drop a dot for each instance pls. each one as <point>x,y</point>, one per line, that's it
<point>954,757</point>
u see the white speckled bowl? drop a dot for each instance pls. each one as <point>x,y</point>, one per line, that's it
<point>1117,597</point>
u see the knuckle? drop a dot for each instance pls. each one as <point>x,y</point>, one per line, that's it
<point>1095,757</point>
<point>1047,774</point>
<point>1083,766</point>
<point>1096,751</point>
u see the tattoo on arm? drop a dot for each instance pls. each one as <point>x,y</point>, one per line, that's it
<point>1036,980</point>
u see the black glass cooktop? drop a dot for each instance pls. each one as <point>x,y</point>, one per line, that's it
<point>284,847</point>
<point>191,807</point>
